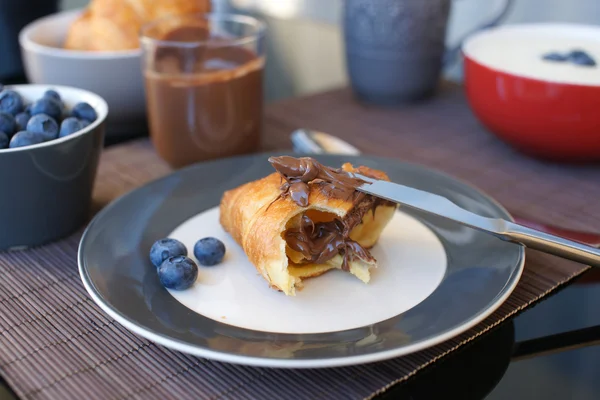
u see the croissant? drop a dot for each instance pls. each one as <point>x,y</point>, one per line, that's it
<point>291,229</point>
<point>112,25</point>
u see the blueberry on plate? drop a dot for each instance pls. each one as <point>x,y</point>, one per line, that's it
<point>43,124</point>
<point>580,57</point>
<point>47,106</point>
<point>166,248</point>
<point>11,102</point>
<point>178,273</point>
<point>21,120</point>
<point>69,126</point>
<point>555,57</point>
<point>26,138</point>
<point>3,140</point>
<point>209,251</point>
<point>84,111</point>
<point>8,124</point>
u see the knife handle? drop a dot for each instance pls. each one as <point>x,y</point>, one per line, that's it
<point>591,238</point>
<point>552,244</point>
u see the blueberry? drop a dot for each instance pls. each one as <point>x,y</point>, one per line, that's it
<point>26,138</point>
<point>7,123</point>
<point>47,106</point>
<point>555,57</point>
<point>21,120</point>
<point>53,94</point>
<point>84,111</point>
<point>209,251</point>
<point>69,126</point>
<point>44,124</point>
<point>3,140</point>
<point>178,273</point>
<point>580,57</point>
<point>11,102</point>
<point>166,248</point>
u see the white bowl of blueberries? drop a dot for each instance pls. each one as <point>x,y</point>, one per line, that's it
<point>51,138</point>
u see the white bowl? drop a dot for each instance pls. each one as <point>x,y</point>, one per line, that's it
<point>116,76</point>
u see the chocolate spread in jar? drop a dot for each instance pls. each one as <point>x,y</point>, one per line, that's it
<point>204,102</point>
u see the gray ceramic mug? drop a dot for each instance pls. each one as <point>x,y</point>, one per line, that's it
<point>395,49</point>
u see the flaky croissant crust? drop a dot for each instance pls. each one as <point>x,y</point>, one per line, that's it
<point>256,217</point>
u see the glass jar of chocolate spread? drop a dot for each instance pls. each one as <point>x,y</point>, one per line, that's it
<point>204,86</point>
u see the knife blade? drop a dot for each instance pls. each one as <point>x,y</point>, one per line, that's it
<point>505,230</point>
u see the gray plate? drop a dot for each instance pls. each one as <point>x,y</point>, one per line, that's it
<point>113,262</point>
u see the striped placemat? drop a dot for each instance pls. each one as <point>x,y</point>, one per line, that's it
<point>55,343</point>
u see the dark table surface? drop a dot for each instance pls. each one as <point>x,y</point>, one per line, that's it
<point>548,352</point>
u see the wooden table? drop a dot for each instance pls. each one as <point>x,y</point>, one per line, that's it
<point>370,128</point>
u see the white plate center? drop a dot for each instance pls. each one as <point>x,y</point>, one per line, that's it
<point>411,260</point>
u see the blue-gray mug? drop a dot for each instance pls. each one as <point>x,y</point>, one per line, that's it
<point>395,49</point>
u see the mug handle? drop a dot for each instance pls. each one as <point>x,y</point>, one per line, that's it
<point>451,53</point>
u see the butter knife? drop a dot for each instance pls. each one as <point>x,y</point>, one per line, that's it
<point>502,229</point>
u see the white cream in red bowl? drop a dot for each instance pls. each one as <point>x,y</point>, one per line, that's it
<point>537,87</point>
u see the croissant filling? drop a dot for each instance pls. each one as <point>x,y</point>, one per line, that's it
<point>316,237</point>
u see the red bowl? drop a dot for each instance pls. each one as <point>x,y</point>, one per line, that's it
<point>546,109</point>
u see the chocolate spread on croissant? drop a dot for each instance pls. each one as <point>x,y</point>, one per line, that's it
<point>299,172</point>
<point>321,241</point>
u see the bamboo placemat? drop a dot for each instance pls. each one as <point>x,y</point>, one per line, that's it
<point>55,343</point>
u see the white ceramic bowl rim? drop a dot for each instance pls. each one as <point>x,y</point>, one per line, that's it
<point>100,106</point>
<point>29,44</point>
<point>469,46</point>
